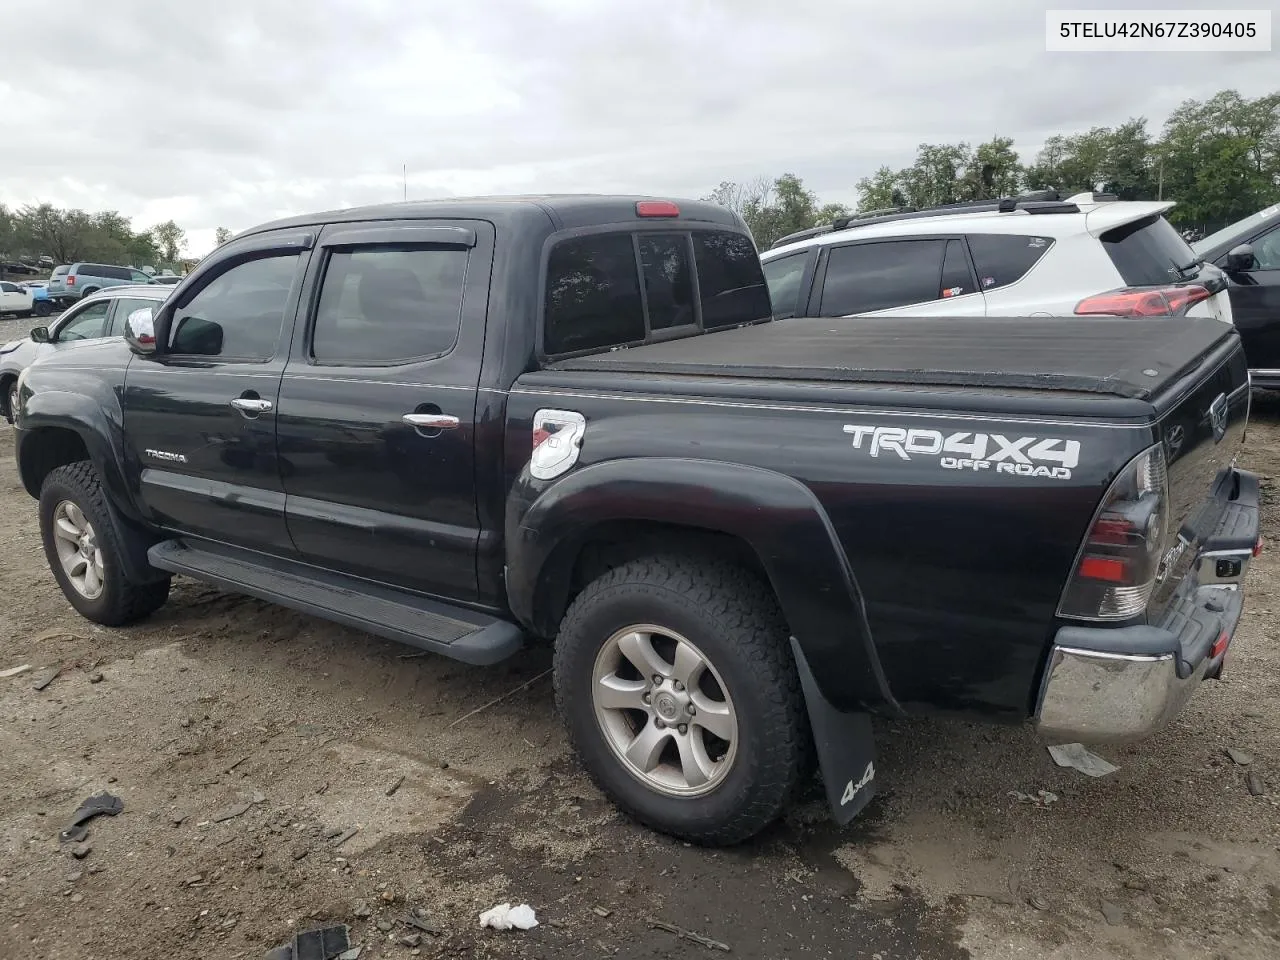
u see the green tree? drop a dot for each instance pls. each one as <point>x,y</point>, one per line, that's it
<point>222,235</point>
<point>1120,159</point>
<point>936,176</point>
<point>994,170</point>
<point>170,239</point>
<point>879,191</point>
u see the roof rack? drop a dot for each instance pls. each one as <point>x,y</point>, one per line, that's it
<point>1036,202</point>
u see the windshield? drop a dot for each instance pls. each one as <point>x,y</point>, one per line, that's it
<point>1241,228</point>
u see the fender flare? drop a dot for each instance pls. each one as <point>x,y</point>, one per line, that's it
<point>777,516</point>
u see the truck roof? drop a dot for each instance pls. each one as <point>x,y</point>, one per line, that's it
<point>565,211</point>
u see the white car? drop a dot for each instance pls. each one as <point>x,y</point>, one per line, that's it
<point>14,299</point>
<point>1036,255</point>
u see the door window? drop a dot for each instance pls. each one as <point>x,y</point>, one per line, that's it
<point>1266,250</point>
<point>880,276</point>
<point>956,281</point>
<point>1003,259</point>
<point>783,277</point>
<point>88,324</point>
<point>237,315</point>
<point>389,304</point>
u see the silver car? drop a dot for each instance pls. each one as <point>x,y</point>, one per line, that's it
<point>96,317</point>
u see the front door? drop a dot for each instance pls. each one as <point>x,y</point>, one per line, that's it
<point>377,407</point>
<point>1255,304</point>
<point>200,416</point>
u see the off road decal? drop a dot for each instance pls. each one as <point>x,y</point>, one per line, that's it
<point>1048,457</point>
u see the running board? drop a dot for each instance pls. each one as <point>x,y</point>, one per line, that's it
<point>442,628</point>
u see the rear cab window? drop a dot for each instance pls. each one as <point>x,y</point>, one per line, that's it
<point>622,288</point>
<point>1002,258</point>
<point>1147,252</point>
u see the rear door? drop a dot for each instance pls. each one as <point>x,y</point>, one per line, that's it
<point>12,299</point>
<point>377,415</point>
<point>921,276</point>
<point>200,416</point>
<point>1255,302</point>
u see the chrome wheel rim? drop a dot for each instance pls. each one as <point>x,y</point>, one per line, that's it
<point>78,549</point>
<point>13,404</point>
<point>664,710</point>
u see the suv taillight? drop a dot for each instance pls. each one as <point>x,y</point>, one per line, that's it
<point>1120,558</point>
<point>71,280</point>
<point>1144,301</point>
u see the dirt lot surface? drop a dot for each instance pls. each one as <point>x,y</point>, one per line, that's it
<point>242,737</point>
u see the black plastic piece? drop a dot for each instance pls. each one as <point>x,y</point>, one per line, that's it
<point>455,632</point>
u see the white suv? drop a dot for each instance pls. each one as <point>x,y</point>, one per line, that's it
<point>1036,255</point>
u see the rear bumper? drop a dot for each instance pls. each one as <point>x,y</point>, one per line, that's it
<point>1125,683</point>
<point>1265,378</point>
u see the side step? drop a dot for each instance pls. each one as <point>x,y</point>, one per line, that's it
<point>442,628</point>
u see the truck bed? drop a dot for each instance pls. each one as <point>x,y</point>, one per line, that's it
<point>1117,356</point>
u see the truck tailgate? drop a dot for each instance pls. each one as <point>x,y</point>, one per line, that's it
<point>1120,356</point>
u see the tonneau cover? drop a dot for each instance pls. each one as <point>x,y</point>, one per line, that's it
<point>1120,356</point>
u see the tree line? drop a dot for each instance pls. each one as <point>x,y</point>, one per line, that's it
<point>71,236</point>
<point>1218,158</point>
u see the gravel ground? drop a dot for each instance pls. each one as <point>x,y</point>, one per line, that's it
<point>243,737</point>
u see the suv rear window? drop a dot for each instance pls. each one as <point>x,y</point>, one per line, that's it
<point>594,296</point>
<point>1003,258</point>
<point>1147,251</point>
<point>60,271</point>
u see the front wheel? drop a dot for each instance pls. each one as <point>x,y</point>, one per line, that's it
<point>84,554</point>
<point>677,685</point>
<point>42,308</point>
<point>12,409</point>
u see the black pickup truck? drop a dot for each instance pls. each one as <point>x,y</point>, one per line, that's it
<point>469,425</point>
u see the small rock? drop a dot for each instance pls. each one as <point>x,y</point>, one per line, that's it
<point>45,677</point>
<point>184,722</point>
<point>1136,883</point>
<point>96,868</point>
<point>96,677</point>
<point>229,923</point>
<point>77,897</point>
<point>410,940</point>
<point>1240,758</point>
<point>384,925</point>
<point>193,880</point>
<point>300,852</point>
<point>1037,901</point>
<point>178,819</point>
<point>389,896</point>
<point>1114,915</point>
<point>601,912</point>
<point>444,764</point>
<point>361,910</point>
<point>1256,787</point>
<point>81,850</point>
<point>331,832</point>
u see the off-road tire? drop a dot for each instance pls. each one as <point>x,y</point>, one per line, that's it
<point>732,617</point>
<point>121,601</point>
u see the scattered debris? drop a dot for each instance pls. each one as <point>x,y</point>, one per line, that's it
<point>689,935</point>
<point>14,671</point>
<point>418,920</point>
<point>1041,798</point>
<point>361,910</point>
<point>82,850</point>
<point>300,852</point>
<point>331,832</point>
<point>496,700</point>
<point>100,804</point>
<point>1038,902</point>
<point>96,676</point>
<point>385,926</point>
<point>184,722</point>
<point>1076,756</point>
<point>504,916</point>
<point>352,954</point>
<point>231,812</point>
<point>326,943</point>
<point>391,790</point>
<point>1254,782</point>
<point>1136,883</point>
<point>601,912</point>
<point>73,876</point>
<point>1241,758</point>
<point>45,677</point>
<point>236,764</point>
<point>178,819</point>
<point>345,836</point>
<point>410,940</point>
<point>1114,915</point>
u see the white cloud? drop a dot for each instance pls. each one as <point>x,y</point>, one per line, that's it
<point>239,111</point>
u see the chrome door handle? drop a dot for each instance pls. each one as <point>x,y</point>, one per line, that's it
<point>430,421</point>
<point>248,405</point>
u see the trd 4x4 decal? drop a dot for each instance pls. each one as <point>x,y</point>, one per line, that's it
<point>1020,456</point>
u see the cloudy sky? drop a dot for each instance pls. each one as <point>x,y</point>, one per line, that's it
<point>232,112</point>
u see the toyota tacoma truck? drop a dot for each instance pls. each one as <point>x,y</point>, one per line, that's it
<point>473,425</point>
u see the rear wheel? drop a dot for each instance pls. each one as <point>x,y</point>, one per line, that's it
<point>676,682</point>
<point>84,554</point>
<point>42,308</point>
<point>11,410</point>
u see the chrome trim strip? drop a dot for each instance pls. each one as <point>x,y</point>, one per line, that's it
<point>1129,657</point>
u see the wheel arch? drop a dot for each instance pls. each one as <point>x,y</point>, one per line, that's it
<point>561,533</point>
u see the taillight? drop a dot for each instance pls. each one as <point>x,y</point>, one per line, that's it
<point>1144,301</point>
<point>71,280</point>
<point>1120,559</point>
<point>557,438</point>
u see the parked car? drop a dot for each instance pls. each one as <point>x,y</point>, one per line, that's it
<point>41,302</point>
<point>167,279</point>
<point>95,317</point>
<point>1032,256</point>
<point>1249,251</point>
<point>72,281</point>
<point>466,425</point>
<point>15,299</point>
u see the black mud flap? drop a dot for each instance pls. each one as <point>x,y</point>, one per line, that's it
<point>846,747</point>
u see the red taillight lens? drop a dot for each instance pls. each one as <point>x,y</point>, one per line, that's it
<point>1257,548</point>
<point>71,280</point>
<point>1143,301</point>
<point>1119,560</point>
<point>1220,645</point>
<point>656,208</point>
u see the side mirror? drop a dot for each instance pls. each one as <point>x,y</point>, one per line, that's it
<point>1240,259</point>
<point>40,334</point>
<point>140,333</point>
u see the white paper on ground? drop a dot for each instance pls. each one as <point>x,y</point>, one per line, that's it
<point>504,917</point>
<point>1076,756</point>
